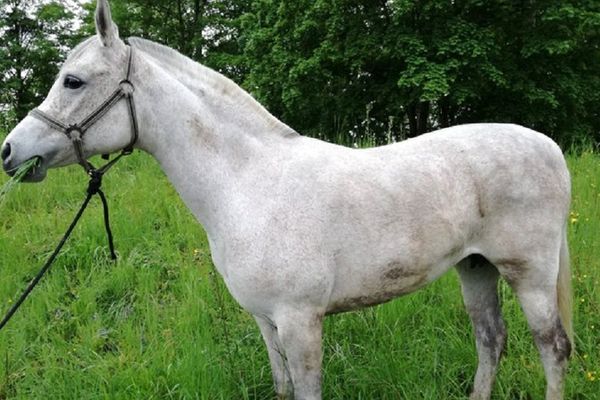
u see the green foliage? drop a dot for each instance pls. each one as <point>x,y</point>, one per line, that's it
<point>427,64</point>
<point>548,57</point>
<point>320,65</point>
<point>19,175</point>
<point>34,38</point>
<point>160,324</point>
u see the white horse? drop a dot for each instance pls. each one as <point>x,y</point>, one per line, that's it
<point>300,228</point>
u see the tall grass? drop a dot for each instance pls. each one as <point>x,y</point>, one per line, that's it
<point>160,324</point>
<point>19,175</point>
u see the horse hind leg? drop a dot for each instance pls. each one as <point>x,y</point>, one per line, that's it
<point>543,289</point>
<point>479,281</point>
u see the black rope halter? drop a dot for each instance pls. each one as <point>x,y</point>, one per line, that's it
<point>75,133</point>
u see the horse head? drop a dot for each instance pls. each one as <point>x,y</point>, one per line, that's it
<point>92,73</point>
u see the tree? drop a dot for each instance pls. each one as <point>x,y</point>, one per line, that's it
<point>330,68</point>
<point>34,38</point>
<point>541,67</point>
<point>324,67</point>
<point>350,70</point>
<point>553,63</point>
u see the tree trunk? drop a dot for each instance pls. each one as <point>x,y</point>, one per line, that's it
<point>445,118</point>
<point>411,113</point>
<point>423,122</point>
<point>418,117</point>
<point>184,44</point>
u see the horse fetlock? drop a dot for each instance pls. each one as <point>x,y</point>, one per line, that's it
<point>285,395</point>
<point>283,387</point>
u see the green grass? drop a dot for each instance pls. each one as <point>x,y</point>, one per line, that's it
<point>18,177</point>
<point>160,324</point>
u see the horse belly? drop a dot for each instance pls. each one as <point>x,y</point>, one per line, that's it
<point>364,285</point>
<point>394,283</point>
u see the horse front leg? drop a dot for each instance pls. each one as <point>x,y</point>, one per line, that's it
<point>300,334</point>
<point>279,368</point>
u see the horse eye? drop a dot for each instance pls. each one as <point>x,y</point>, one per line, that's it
<point>72,82</point>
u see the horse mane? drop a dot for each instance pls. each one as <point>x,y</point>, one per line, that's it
<point>199,78</point>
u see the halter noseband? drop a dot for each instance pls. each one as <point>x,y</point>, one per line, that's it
<point>75,132</point>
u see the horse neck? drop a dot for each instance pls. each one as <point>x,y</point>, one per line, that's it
<point>211,147</point>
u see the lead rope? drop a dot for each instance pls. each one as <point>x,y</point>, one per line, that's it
<point>93,188</point>
<point>75,133</point>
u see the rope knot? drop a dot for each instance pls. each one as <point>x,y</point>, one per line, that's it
<point>126,87</point>
<point>74,133</point>
<point>95,182</point>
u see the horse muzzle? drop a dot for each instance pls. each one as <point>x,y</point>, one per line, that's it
<point>7,159</point>
<point>11,166</point>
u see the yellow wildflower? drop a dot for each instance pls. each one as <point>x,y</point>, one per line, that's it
<point>574,217</point>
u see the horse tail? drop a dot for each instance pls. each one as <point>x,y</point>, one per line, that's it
<point>565,290</point>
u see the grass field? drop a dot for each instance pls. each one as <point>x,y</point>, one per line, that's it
<point>159,323</point>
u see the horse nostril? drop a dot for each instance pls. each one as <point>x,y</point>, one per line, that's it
<point>5,152</point>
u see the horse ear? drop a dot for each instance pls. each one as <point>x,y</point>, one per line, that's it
<point>105,27</point>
